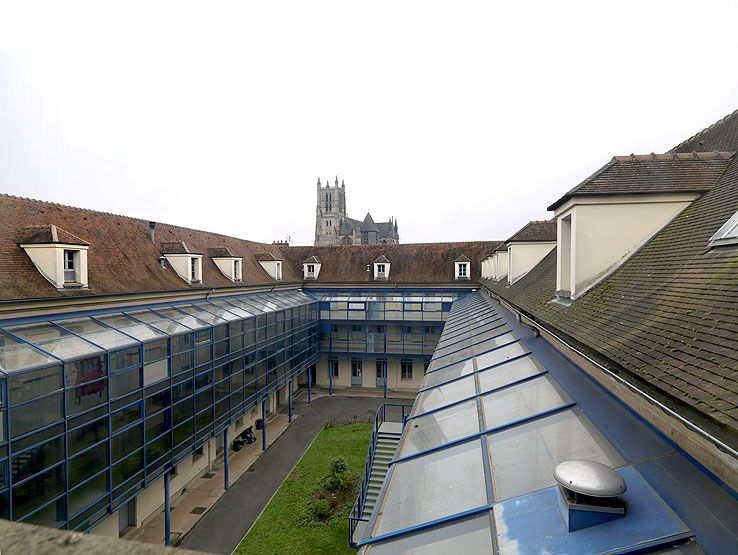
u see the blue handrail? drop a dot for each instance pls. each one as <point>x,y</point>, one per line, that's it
<point>380,417</point>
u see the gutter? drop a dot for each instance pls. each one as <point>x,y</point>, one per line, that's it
<point>537,326</point>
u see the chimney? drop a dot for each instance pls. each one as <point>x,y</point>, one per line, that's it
<point>152,228</point>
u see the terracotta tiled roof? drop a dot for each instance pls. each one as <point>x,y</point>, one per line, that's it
<point>535,231</point>
<point>46,235</point>
<point>121,257</point>
<point>220,252</point>
<point>653,174</point>
<point>668,317</point>
<point>411,263</point>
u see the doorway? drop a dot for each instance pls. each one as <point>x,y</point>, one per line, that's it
<point>381,372</point>
<point>356,372</point>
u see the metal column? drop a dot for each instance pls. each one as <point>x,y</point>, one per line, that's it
<point>264,425</point>
<point>289,397</point>
<point>330,378</point>
<point>167,512</point>
<point>225,459</point>
<point>309,373</point>
<point>384,371</point>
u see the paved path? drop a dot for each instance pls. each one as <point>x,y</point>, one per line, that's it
<point>222,527</point>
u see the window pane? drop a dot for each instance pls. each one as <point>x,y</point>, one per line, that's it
<point>35,414</point>
<point>87,396</point>
<point>523,458</point>
<point>127,468</point>
<point>433,486</point>
<point>440,427</point>
<point>87,494</point>
<point>156,371</point>
<point>125,359</point>
<point>88,463</point>
<point>87,435</point>
<point>445,394</point>
<point>449,373</point>
<point>85,370</point>
<point>125,382</point>
<point>127,442</point>
<point>519,401</point>
<point>35,460</point>
<point>37,491</point>
<point>155,350</point>
<point>29,385</point>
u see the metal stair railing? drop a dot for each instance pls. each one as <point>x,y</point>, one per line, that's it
<point>380,417</point>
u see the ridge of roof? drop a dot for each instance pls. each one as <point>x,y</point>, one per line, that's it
<point>705,130</point>
<point>113,214</point>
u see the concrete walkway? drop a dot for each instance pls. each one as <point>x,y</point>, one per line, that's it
<point>221,529</point>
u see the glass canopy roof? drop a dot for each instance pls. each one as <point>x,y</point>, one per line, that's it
<point>27,346</point>
<point>489,424</point>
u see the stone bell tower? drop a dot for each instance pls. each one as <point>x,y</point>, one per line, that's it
<point>330,212</point>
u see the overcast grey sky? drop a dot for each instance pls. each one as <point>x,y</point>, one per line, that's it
<point>462,119</point>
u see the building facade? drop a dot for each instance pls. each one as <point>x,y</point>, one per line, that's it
<point>334,227</point>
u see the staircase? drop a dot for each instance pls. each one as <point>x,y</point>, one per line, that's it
<point>386,434</point>
<point>387,440</point>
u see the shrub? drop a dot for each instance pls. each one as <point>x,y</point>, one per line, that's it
<point>320,509</point>
<point>339,465</point>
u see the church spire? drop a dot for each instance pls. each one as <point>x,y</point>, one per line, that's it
<point>318,181</point>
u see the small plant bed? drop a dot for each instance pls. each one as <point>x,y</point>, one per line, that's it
<point>309,512</point>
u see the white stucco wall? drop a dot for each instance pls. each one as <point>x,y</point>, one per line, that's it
<point>180,263</point>
<point>606,233</point>
<point>273,268</point>
<point>225,265</point>
<point>500,265</point>
<point>522,257</point>
<point>49,261</point>
<point>316,273</point>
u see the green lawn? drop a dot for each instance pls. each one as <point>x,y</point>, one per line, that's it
<point>285,526</point>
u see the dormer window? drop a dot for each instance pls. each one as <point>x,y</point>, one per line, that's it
<point>57,254</point>
<point>186,264</point>
<point>195,269</point>
<point>311,268</point>
<point>231,266</point>
<point>381,268</point>
<point>727,234</point>
<point>237,270</point>
<point>279,271</point>
<point>271,265</point>
<point>71,266</point>
<point>462,267</point>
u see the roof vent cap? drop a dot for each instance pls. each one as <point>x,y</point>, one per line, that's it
<point>588,493</point>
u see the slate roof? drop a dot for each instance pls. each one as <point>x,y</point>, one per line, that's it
<point>311,260</point>
<point>462,258</point>
<point>671,173</point>
<point>368,224</point>
<point>175,247</point>
<point>535,231</point>
<point>266,257</point>
<point>48,235</point>
<point>381,259</point>
<point>411,263</point>
<point>721,135</point>
<point>121,257</point>
<point>668,317</point>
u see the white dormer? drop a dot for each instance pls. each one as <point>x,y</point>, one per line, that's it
<point>499,264</point>
<point>230,266</point>
<point>187,265</point>
<point>381,268</point>
<point>462,268</point>
<point>311,268</point>
<point>271,265</point>
<point>57,254</point>
<point>608,217</point>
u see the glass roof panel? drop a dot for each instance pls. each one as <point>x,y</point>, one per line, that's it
<point>54,340</point>
<point>185,319</point>
<point>485,360</point>
<point>445,395</point>
<point>522,400</point>
<point>241,302</point>
<point>220,312</point>
<point>449,373</point>
<point>441,427</point>
<point>470,535</point>
<point>129,326</point>
<point>433,486</point>
<point>463,344</point>
<point>523,457</point>
<point>166,325</point>
<point>201,314</point>
<point>234,308</point>
<point>97,333</point>
<point>489,344</point>
<point>16,355</point>
<point>508,372</point>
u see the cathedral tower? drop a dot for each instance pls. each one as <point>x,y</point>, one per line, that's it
<point>330,212</point>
